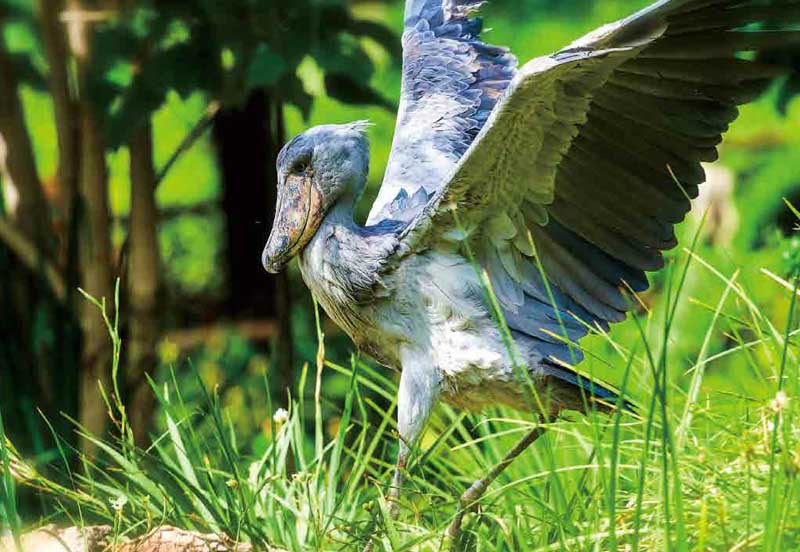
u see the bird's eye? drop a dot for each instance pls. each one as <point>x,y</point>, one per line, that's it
<point>302,167</point>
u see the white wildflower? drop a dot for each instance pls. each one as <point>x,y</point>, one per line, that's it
<point>281,416</point>
<point>118,503</point>
<point>780,402</point>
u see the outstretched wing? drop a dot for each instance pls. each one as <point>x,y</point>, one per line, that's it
<point>451,83</point>
<point>594,153</point>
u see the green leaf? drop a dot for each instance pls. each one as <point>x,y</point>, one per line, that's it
<point>265,69</point>
<point>340,19</point>
<point>788,87</point>
<point>381,34</point>
<point>290,90</point>
<point>16,10</point>
<point>343,54</point>
<point>145,95</point>
<point>112,44</point>
<point>347,90</point>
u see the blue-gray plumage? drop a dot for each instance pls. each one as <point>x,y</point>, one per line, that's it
<point>566,167</point>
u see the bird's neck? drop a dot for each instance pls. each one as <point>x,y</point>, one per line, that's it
<point>335,267</point>
<point>336,238</point>
<point>341,213</point>
<point>343,260</point>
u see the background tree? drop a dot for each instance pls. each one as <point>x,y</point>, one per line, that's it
<point>108,67</point>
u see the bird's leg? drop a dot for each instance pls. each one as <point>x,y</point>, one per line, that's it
<point>419,388</point>
<point>470,497</point>
<point>398,479</point>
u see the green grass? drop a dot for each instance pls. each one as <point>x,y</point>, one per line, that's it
<point>696,469</point>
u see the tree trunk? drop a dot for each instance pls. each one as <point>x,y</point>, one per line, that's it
<point>142,283</point>
<point>283,308</point>
<point>248,140</point>
<point>67,363</point>
<point>95,244</point>
<point>242,139</point>
<point>32,212</point>
<point>64,105</point>
<point>24,353</point>
<point>96,277</point>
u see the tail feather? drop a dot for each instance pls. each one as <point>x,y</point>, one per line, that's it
<point>593,389</point>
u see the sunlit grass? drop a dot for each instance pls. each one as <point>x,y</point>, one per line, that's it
<point>694,469</point>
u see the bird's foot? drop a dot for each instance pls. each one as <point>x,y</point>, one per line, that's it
<point>468,503</point>
<point>393,506</point>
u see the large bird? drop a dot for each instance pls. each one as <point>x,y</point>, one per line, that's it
<point>520,206</point>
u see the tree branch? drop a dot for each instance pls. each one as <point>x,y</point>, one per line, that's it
<point>188,141</point>
<point>197,132</point>
<point>30,256</point>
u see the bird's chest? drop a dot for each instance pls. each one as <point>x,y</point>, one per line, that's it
<point>345,286</point>
<point>434,304</point>
<point>448,319</point>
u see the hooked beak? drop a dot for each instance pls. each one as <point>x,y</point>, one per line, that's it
<point>298,215</point>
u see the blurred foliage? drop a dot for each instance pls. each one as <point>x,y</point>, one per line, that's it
<point>225,50</point>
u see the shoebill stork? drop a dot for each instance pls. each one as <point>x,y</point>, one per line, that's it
<point>556,185</point>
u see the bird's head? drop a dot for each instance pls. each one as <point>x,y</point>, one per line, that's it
<point>317,169</point>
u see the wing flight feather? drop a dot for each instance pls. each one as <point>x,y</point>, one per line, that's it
<point>594,153</point>
<point>451,82</point>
